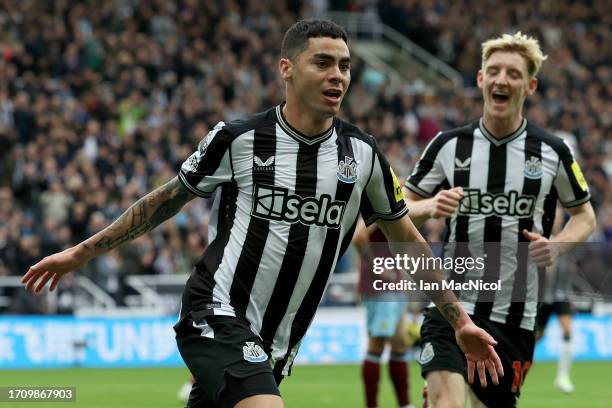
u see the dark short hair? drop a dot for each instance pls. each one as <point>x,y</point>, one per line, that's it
<point>296,37</point>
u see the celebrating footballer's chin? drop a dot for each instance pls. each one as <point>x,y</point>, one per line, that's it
<point>289,185</point>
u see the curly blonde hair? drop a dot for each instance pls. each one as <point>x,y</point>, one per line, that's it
<point>527,47</point>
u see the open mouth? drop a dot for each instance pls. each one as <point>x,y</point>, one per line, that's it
<point>333,93</point>
<point>499,97</point>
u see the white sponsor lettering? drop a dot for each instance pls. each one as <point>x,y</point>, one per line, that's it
<point>275,203</point>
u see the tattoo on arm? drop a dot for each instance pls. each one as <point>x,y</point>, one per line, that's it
<point>144,215</point>
<point>450,313</point>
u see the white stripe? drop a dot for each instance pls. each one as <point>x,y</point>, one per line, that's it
<point>446,157</point>
<point>224,276</point>
<point>278,233</point>
<point>213,219</point>
<point>478,179</point>
<point>515,180</point>
<point>327,163</point>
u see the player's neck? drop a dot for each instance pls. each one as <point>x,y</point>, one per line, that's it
<point>306,124</point>
<point>500,128</point>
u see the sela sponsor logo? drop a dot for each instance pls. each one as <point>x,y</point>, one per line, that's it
<point>508,203</point>
<point>253,352</point>
<point>263,165</point>
<point>347,170</point>
<point>463,165</point>
<point>533,168</point>
<point>276,204</point>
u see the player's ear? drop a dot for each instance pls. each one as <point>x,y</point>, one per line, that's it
<point>285,67</point>
<point>533,85</point>
<point>479,78</point>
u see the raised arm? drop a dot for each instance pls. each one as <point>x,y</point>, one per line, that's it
<point>144,215</point>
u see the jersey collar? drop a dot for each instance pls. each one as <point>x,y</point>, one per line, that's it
<point>300,137</point>
<point>505,139</point>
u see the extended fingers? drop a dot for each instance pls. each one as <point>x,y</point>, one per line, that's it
<point>54,282</point>
<point>470,371</point>
<point>492,372</point>
<point>480,366</point>
<point>32,272</point>
<point>43,281</point>
<point>32,278</point>
<point>499,367</point>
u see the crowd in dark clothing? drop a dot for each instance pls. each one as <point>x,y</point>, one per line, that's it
<point>101,101</point>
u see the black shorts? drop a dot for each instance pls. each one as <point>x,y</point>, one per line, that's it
<point>440,352</point>
<point>226,358</point>
<point>545,309</point>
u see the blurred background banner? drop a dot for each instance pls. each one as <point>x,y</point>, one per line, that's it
<point>54,342</point>
<point>337,336</point>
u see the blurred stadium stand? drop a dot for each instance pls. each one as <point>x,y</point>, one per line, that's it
<point>100,102</point>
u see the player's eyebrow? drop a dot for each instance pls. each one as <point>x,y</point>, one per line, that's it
<point>329,57</point>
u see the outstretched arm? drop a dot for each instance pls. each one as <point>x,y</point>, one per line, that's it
<point>144,215</point>
<point>476,344</point>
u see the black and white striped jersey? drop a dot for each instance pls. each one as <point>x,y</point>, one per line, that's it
<point>284,212</point>
<point>510,185</point>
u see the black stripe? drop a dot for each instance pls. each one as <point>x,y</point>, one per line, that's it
<point>348,237</point>
<point>426,162</point>
<point>202,291</point>
<point>211,159</point>
<point>264,146</point>
<point>548,216</point>
<point>531,186</point>
<point>305,186</point>
<point>496,183</point>
<point>315,291</point>
<point>461,178</point>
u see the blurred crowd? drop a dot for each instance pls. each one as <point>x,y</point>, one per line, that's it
<point>100,102</point>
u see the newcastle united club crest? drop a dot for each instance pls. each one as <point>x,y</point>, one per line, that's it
<point>347,170</point>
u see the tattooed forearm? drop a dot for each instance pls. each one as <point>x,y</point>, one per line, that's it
<point>144,215</point>
<point>450,311</point>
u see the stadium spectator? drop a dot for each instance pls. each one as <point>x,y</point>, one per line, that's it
<point>64,74</point>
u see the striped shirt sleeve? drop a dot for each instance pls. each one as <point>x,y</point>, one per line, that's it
<point>210,165</point>
<point>570,183</point>
<point>428,174</point>
<point>383,196</point>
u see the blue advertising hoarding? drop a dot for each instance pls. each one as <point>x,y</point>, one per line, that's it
<point>336,336</point>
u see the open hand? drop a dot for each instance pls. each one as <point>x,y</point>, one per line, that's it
<point>477,345</point>
<point>52,267</point>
